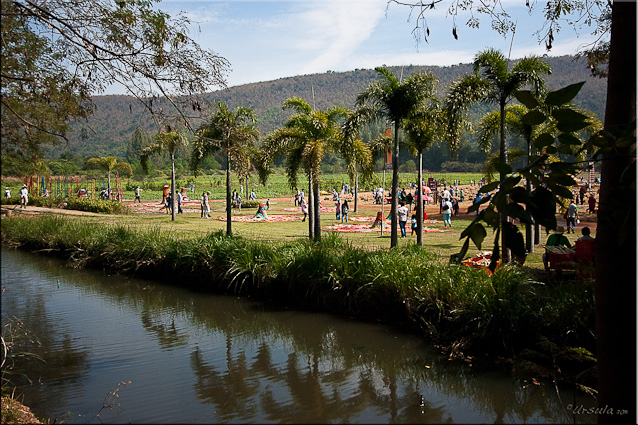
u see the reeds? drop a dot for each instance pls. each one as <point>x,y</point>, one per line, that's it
<point>458,306</point>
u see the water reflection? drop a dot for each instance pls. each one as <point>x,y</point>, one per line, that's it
<point>200,357</point>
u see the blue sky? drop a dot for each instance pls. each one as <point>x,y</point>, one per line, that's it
<point>268,39</point>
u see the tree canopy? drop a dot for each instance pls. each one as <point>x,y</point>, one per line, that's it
<point>57,54</point>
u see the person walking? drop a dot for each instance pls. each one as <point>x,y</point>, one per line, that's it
<point>345,209</point>
<point>478,198</point>
<point>455,206</point>
<point>205,205</point>
<point>179,202</point>
<point>137,195</point>
<point>592,204</point>
<point>413,224</point>
<point>338,209</point>
<point>169,204</point>
<point>7,192</point>
<point>304,207</point>
<point>572,215</point>
<point>296,197</point>
<point>447,214</point>
<point>402,215</point>
<point>24,196</point>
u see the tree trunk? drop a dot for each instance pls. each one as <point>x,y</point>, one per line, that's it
<point>109,184</point>
<point>394,221</point>
<point>317,217</point>
<point>311,209</point>
<point>529,227</point>
<point>356,190</point>
<point>382,196</point>
<point>419,203</point>
<point>615,247</point>
<point>229,222</point>
<point>173,186</point>
<point>506,255</point>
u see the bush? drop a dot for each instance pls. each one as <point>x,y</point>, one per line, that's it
<point>461,167</point>
<point>96,206</point>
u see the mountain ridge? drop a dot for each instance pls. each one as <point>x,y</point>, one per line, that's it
<point>108,131</point>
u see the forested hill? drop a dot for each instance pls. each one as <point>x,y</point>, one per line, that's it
<point>117,116</point>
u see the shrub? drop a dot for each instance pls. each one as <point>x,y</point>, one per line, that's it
<point>97,206</point>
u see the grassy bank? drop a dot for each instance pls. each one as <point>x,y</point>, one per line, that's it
<point>507,314</point>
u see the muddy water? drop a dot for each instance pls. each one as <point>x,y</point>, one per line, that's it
<point>117,350</point>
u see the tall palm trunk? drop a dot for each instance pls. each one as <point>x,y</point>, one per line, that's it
<point>229,225</point>
<point>529,227</point>
<point>615,247</point>
<point>108,184</point>
<point>173,200</point>
<point>317,217</point>
<point>419,203</point>
<point>356,190</point>
<point>311,209</point>
<point>505,251</point>
<point>395,187</point>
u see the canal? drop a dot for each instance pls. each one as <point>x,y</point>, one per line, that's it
<point>114,349</point>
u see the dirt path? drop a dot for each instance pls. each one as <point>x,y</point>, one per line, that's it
<point>9,210</point>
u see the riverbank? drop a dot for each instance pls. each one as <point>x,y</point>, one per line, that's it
<point>14,412</point>
<point>466,312</point>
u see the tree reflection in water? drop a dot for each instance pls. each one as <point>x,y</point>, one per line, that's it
<point>252,362</point>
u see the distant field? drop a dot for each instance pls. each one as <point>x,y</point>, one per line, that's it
<point>278,186</point>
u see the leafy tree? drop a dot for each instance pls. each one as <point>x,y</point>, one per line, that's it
<point>304,139</point>
<point>136,143</point>
<point>170,140</point>
<point>395,100</point>
<point>549,178</point>
<point>56,54</point>
<point>515,125</point>
<point>494,82</point>
<point>615,245</point>
<point>235,135</point>
<point>109,164</point>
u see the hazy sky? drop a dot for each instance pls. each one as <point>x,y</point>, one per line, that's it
<point>268,39</point>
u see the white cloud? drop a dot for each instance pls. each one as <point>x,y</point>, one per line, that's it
<point>333,30</point>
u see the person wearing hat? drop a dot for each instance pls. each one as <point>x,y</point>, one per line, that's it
<point>556,239</point>
<point>7,192</point>
<point>24,196</point>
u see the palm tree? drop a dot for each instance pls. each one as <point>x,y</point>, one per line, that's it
<point>357,151</point>
<point>396,100</point>
<point>305,137</point>
<point>169,140</point>
<point>109,164</point>
<point>423,127</point>
<point>235,135</point>
<point>494,82</point>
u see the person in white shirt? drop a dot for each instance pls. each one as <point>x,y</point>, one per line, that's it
<point>446,208</point>
<point>402,215</point>
<point>24,196</point>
